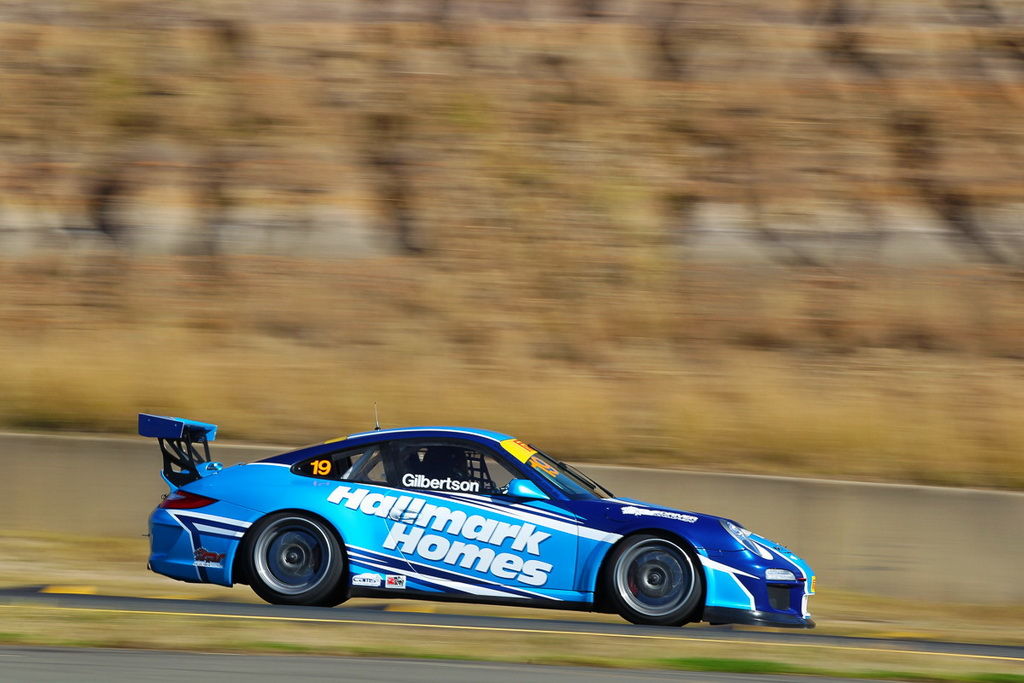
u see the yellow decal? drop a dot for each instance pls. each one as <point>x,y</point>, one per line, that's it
<point>814,579</point>
<point>520,450</point>
<point>340,438</point>
<point>321,468</point>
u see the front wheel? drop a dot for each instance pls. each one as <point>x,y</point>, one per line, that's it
<point>294,559</point>
<point>652,580</point>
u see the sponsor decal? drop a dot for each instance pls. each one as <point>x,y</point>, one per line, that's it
<point>421,481</point>
<point>665,514</point>
<point>395,581</point>
<point>488,536</point>
<point>521,450</point>
<point>373,580</point>
<point>204,558</point>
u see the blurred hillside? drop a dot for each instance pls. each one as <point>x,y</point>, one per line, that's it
<point>793,130</point>
<point>880,374</point>
<point>647,231</point>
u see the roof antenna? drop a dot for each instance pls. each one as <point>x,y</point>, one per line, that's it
<point>376,420</point>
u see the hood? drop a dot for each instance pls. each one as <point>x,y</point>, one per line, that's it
<point>627,509</point>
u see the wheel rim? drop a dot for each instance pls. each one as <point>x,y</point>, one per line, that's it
<point>292,555</point>
<point>655,577</point>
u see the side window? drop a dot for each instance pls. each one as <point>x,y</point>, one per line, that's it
<point>372,469</point>
<point>444,465</point>
<point>336,465</point>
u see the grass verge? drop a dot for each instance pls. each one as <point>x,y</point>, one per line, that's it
<point>37,626</point>
<point>113,566</point>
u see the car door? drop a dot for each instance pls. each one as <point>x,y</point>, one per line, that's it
<point>462,533</point>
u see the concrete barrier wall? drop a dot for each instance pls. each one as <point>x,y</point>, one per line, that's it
<point>88,486</point>
<point>923,542</point>
<point>918,542</point>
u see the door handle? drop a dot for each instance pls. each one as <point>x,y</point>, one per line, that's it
<point>404,516</point>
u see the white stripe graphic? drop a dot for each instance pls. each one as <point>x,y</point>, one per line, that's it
<point>602,536</point>
<point>708,562</point>
<point>750,596</point>
<point>503,509</point>
<point>799,570</point>
<point>366,559</point>
<point>217,531</point>
<point>523,516</point>
<point>732,572</point>
<point>189,532</point>
<point>363,552</point>
<point>457,585</point>
<point>468,588</point>
<point>483,501</point>
<point>211,518</point>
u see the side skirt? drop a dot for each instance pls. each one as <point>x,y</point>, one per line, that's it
<point>412,594</point>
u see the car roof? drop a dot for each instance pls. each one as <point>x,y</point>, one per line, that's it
<point>412,431</point>
<point>360,438</point>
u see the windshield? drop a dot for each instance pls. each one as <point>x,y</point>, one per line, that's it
<point>566,478</point>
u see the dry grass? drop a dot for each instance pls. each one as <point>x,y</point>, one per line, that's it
<point>115,567</point>
<point>25,624</point>
<point>553,175</point>
<point>886,375</point>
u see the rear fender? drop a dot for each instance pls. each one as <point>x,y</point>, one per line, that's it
<point>238,569</point>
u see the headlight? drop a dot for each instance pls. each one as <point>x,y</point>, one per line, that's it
<point>743,536</point>
<point>779,575</point>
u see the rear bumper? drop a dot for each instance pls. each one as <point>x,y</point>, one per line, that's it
<point>194,548</point>
<point>729,615</point>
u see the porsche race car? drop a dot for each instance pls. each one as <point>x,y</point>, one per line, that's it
<point>449,513</point>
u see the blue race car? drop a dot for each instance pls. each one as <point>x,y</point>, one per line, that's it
<point>446,513</point>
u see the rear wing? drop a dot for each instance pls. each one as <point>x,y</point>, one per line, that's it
<point>178,439</point>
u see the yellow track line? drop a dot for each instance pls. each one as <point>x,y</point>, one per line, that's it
<point>504,629</point>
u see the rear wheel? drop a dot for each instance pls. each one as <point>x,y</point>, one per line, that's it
<point>652,580</point>
<point>294,559</point>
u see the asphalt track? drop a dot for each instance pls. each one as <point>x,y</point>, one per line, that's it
<point>406,624</point>
<point>67,665</point>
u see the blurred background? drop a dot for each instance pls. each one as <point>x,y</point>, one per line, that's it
<point>771,236</point>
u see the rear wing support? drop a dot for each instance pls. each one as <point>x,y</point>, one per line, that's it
<point>178,439</point>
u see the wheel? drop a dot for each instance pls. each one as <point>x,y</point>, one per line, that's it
<point>652,580</point>
<point>294,559</point>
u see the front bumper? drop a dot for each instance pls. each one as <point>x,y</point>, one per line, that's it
<point>737,593</point>
<point>729,615</point>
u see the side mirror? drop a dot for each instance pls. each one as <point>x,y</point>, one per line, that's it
<point>524,488</point>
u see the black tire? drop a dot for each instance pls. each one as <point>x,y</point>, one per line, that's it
<point>653,580</point>
<point>292,558</point>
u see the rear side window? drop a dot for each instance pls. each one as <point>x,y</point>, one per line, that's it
<point>335,465</point>
<point>447,465</point>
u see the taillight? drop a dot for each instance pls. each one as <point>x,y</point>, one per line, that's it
<point>183,500</point>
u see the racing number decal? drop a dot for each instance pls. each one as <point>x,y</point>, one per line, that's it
<point>321,468</point>
<point>544,467</point>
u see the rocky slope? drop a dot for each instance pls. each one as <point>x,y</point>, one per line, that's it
<point>811,131</point>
